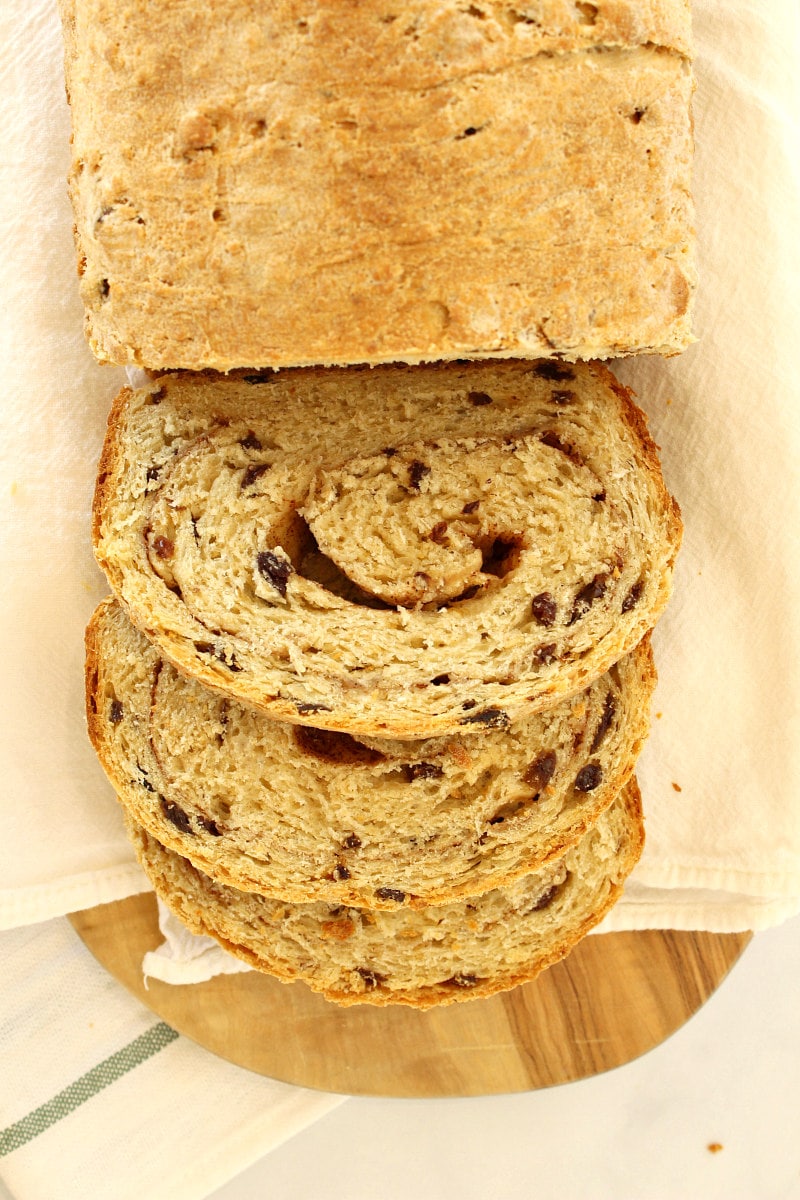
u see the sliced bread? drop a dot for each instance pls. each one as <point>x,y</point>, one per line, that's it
<point>401,552</point>
<point>422,958</point>
<point>306,814</point>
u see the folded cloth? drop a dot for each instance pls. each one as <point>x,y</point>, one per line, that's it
<point>186,957</point>
<point>102,1099</point>
<point>720,774</point>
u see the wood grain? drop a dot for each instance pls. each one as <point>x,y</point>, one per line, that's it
<point>615,997</point>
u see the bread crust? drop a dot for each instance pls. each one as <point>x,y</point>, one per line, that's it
<point>294,188</point>
<point>297,943</point>
<point>377,695</point>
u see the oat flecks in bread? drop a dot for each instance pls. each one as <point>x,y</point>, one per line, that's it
<point>278,185</point>
<point>461,951</point>
<point>535,487</point>
<point>301,814</point>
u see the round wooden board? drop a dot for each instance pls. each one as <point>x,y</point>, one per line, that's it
<point>615,997</point>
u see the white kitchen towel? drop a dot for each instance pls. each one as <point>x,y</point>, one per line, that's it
<point>100,1100</point>
<point>186,957</point>
<point>721,773</point>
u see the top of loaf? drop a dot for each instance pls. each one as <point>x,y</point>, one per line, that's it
<point>278,185</point>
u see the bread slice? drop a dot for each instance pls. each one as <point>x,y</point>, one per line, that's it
<point>404,552</point>
<point>459,951</point>
<point>303,814</point>
<point>422,180</point>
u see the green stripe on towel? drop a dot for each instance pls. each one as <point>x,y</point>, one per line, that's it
<point>88,1085</point>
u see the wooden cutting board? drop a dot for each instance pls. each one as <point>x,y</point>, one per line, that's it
<point>615,997</point>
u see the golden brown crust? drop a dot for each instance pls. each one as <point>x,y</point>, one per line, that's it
<point>108,466</point>
<point>637,423</point>
<point>316,220</point>
<point>94,722</point>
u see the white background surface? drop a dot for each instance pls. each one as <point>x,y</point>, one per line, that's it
<point>641,1132</point>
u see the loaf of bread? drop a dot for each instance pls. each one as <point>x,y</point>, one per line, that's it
<point>403,552</point>
<point>304,814</point>
<point>284,184</point>
<point>420,957</point>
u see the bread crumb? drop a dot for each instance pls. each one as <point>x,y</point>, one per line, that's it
<point>659,716</point>
<point>459,753</point>
<point>677,786</point>
<point>340,930</point>
<point>715,1147</point>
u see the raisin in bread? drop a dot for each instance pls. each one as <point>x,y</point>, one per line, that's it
<point>420,181</point>
<point>424,957</point>
<point>306,814</point>
<point>404,552</point>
